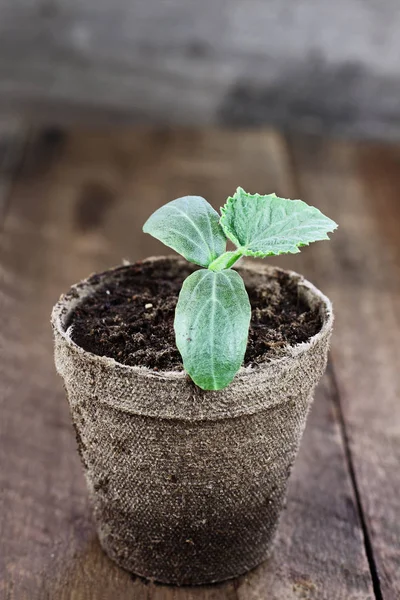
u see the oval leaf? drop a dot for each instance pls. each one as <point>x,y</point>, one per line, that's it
<point>268,225</point>
<point>212,320</point>
<point>190,226</point>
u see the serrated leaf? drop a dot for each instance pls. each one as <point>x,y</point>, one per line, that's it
<point>190,226</point>
<point>212,320</point>
<point>268,225</point>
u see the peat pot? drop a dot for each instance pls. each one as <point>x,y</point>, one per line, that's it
<point>187,486</point>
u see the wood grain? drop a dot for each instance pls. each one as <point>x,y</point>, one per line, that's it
<point>357,185</point>
<point>77,207</point>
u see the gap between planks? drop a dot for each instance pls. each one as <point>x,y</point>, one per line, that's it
<point>357,185</point>
<point>296,183</point>
<point>369,550</point>
<point>341,419</point>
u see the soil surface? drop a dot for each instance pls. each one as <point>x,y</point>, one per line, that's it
<point>131,318</point>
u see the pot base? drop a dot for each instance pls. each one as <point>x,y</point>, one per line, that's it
<point>161,579</point>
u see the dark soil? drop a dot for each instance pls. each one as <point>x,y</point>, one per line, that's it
<point>131,319</point>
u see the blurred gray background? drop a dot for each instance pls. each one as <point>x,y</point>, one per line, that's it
<point>313,65</point>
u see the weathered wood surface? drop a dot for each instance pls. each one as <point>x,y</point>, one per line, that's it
<point>76,207</point>
<point>320,65</point>
<point>359,185</point>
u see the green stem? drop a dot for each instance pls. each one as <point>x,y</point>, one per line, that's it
<point>226,260</point>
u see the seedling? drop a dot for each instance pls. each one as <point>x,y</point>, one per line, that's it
<point>213,313</point>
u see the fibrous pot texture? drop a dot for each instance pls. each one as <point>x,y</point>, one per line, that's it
<point>186,485</point>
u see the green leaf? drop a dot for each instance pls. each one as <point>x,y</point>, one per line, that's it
<point>267,225</point>
<point>190,226</point>
<point>212,320</point>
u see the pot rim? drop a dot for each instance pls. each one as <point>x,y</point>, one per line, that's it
<point>82,289</point>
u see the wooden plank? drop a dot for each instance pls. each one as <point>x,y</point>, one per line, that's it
<point>77,207</point>
<point>334,69</point>
<point>360,270</point>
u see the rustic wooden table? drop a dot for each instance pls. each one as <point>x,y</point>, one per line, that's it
<point>73,203</point>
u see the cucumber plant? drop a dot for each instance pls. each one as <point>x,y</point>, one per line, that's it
<point>212,316</point>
